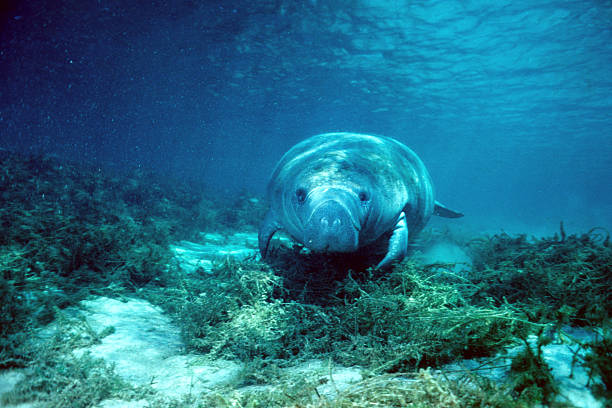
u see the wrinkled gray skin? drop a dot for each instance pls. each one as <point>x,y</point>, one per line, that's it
<point>338,192</point>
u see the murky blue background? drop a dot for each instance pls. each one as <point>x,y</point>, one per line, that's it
<point>509,103</point>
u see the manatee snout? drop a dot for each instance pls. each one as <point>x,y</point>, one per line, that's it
<point>331,227</point>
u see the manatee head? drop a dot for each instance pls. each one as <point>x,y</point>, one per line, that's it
<point>326,211</point>
<point>329,218</point>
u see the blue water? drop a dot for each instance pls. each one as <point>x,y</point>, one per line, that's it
<point>509,103</point>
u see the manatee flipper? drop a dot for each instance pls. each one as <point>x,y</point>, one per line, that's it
<point>398,243</point>
<point>442,211</point>
<point>266,231</point>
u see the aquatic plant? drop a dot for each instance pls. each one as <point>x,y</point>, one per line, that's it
<point>531,377</point>
<point>67,233</point>
<point>421,389</point>
<point>305,306</point>
<point>409,318</point>
<point>599,361</point>
<point>243,212</point>
<point>562,279</point>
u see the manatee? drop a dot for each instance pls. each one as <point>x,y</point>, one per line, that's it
<point>340,192</point>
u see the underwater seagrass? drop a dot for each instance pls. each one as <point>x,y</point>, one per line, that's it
<point>109,235</point>
<point>67,232</point>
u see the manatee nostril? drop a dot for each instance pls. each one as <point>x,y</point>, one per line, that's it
<point>336,223</point>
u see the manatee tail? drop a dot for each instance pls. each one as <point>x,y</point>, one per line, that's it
<point>442,211</point>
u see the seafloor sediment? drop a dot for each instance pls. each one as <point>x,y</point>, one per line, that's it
<point>128,290</point>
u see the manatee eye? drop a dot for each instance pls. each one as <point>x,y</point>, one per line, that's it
<point>300,195</point>
<point>364,196</point>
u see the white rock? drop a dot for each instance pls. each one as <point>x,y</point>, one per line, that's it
<point>447,253</point>
<point>146,349</point>
<point>117,403</point>
<point>191,256</point>
<point>9,378</point>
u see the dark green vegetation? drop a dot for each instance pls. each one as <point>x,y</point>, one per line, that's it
<point>67,233</point>
<point>599,361</point>
<point>410,318</point>
<point>563,279</point>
